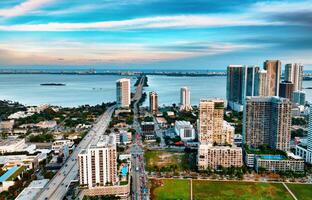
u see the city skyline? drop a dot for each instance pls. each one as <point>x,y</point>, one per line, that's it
<point>154,34</point>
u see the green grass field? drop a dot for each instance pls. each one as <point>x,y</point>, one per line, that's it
<point>301,191</point>
<point>170,189</point>
<point>238,190</point>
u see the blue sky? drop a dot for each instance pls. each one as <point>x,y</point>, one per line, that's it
<point>168,34</point>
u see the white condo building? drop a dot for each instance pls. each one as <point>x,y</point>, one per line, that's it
<point>305,151</point>
<point>185,99</point>
<point>185,130</point>
<point>294,74</point>
<point>123,93</point>
<point>98,163</point>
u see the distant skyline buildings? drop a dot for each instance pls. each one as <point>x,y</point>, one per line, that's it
<point>286,89</point>
<point>294,73</point>
<point>273,68</point>
<point>242,81</point>
<point>262,88</point>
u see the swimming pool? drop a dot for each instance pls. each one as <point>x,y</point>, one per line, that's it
<point>272,157</point>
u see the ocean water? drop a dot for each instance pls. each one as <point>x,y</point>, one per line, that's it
<point>95,89</point>
<point>168,88</point>
<point>79,89</point>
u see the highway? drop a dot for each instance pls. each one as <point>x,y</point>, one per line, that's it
<point>58,185</point>
<point>139,179</point>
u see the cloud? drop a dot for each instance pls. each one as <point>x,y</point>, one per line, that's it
<point>281,6</point>
<point>46,52</point>
<point>23,8</point>
<point>179,21</point>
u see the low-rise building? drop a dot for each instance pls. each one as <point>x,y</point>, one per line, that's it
<point>30,192</point>
<point>162,122</point>
<point>238,139</point>
<point>124,137</point>
<point>210,156</point>
<point>47,124</point>
<point>148,129</point>
<point>28,161</point>
<point>58,145</point>
<point>185,130</point>
<point>20,114</point>
<point>304,152</point>
<point>279,163</point>
<point>6,126</point>
<point>12,144</point>
<point>7,179</point>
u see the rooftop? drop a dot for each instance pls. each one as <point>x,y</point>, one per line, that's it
<point>10,141</point>
<point>9,173</point>
<point>105,141</point>
<point>32,190</point>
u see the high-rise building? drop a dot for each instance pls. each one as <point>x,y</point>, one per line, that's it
<point>211,126</point>
<point>185,99</point>
<point>294,74</point>
<point>234,84</point>
<point>286,89</point>
<point>273,68</point>
<point>305,150</point>
<point>123,92</point>
<point>98,164</point>
<point>251,80</point>
<point>242,81</point>
<point>299,97</point>
<point>261,83</point>
<point>153,100</point>
<point>267,121</point>
<point>215,135</point>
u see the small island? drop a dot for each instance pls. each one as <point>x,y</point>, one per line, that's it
<point>53,84</point>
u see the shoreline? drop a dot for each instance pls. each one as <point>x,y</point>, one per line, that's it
<point>120,73</point>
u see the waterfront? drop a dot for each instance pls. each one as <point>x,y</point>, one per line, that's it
<point>95,89</point>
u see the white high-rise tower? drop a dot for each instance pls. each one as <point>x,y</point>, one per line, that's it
<point>185,101</point>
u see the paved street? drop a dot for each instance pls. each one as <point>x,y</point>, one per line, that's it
<point>139,179</point>
<point>58,186</point>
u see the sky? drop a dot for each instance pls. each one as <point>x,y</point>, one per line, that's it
<point>154,34</point>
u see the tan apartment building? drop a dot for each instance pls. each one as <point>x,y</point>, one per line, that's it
<point>153,100</point>
<point>211,126</point>
<point>215,156</point>
<point>123,93</point>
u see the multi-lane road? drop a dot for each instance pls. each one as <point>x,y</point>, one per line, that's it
<point>58,185</point>
<point>139,179</point>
